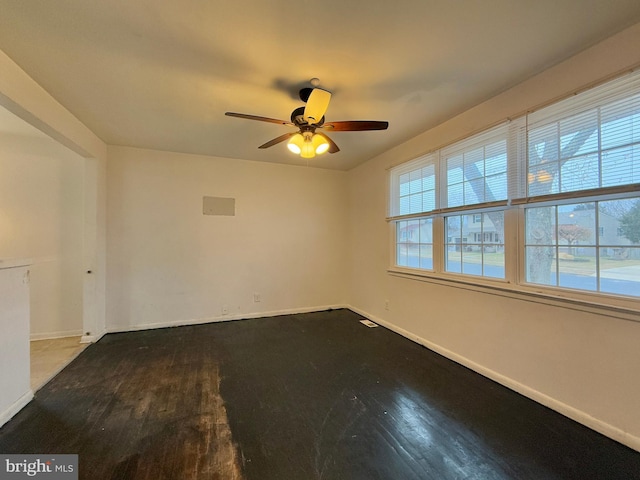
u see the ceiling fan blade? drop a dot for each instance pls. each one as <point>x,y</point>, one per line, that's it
<point>316,106</point>
<point>260,119</point>
<point>355,125</point>
<point>333,148</point>
<point>277,140</point>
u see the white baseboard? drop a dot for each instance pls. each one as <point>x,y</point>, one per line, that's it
<point>220,318</point>
<point>93,338</point>
<point>52,335</point>
<point>573,413</point>
<point>15,407</point>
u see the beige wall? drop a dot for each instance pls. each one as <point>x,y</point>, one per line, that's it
<point>170,264</point>
<point>583,364</point>
<point>41,218</point>
<point>22,96</point>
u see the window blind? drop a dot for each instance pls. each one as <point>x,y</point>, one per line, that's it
<point>586,144</point>
<point>413,187</point>
<point>476,169</point>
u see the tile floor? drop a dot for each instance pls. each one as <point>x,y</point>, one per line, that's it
<point>48,357</point>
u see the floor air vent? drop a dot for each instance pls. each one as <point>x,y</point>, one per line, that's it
<point>368,323</point>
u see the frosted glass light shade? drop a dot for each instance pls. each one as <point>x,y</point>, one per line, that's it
<point>308,151</point>
<point>320,144</point>
<point>296,143</point>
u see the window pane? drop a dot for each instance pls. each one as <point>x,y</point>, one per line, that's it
<point>540,265</point>
<point>401,231</point>
<point>496,158</point>
<point>403,181</point>
<point>474,191</point>
<point>454,170</point>
<point>578,271</point>
<point>542,179</point>
<point>454,259</point>
<point>620,271</point>
<point>475,244</point>
<point>621,166</point>
<point>415,203</point>
<point>415,184</point>
<point>540,225</point>
<point>576,226</point>
<point>496,186</point>
<point>402,255</point>
<point>474,164</point>
<point>621,217</point>
<point>403,206</point>
<point>426,256</point>
<point>455,195</point>
<point>428,177</point>
<point>428,201</point>
<point>580,173</point>
<point>543,145</point>
<point>579,134</point>
<point>494,261</point>
<point>540,251</point>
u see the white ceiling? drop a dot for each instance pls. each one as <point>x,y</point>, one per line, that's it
<point>160,74</point>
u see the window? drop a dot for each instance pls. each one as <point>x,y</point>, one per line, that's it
<point>435,189</point>
<point>587,146</point>
<point>414,191</point>
<point>562,184</point>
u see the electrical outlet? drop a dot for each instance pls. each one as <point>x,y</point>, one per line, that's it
<point>256,297</point>
<point>225,310</point>
<point>386,304</point>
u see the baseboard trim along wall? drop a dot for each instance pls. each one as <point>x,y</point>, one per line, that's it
<point>221,318</point>
<point>15,407</point>
<point>579,416</point>
<point>52,335</point>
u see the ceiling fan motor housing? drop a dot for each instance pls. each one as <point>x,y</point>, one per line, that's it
<point>297,118</point>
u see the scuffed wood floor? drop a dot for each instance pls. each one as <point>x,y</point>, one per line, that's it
<point>317,396</point>
<point>143,405</point>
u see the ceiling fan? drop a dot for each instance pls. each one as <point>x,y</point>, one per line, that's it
<point>306,141</point>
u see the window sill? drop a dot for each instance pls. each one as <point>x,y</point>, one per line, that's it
<point>622,308</point>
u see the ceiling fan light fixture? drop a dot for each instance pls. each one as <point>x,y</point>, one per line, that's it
<point>308,151</point>
<point>320,144</point>
<point>296,143</point>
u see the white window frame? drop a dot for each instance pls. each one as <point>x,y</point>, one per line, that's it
<point>514,283</point>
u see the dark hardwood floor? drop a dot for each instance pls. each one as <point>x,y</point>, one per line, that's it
<point>298,397</point>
